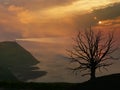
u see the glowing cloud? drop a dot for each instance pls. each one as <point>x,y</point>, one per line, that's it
<point>80,6</point>
<point>24,16</point>
<point>112,22</point>
<point>14,8</point>
<point>54,20</point>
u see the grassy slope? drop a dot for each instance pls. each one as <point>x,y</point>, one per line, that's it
<point>111,82</point>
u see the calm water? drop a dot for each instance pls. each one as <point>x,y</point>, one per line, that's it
<point>52,59</point>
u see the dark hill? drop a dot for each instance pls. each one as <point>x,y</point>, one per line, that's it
<point>110,82</point>
<point>7,75</point>
<point>19,61</point>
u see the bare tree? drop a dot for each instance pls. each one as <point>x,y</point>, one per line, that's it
<point>91,51</point>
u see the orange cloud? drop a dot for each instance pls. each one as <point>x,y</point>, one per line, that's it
<point>26,17</point>
<point>110,23</point>
<point>23,15</point>
<point>47,22</point>
<point>14,8</point>
<point>79,6</point>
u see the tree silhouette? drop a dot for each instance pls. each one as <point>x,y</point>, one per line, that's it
<point>91,51</point>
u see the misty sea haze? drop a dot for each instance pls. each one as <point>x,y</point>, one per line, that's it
<point>52,56</point>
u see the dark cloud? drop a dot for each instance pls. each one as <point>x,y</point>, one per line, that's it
<point>33,4</point>
<point>108,13</point>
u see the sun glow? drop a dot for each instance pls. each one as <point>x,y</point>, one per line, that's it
<point>100,22</point>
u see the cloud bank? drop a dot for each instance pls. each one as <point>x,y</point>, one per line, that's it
<point>53,18</point>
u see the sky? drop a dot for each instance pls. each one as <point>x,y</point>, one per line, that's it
<point>53,23</point>
<point>54,18</point>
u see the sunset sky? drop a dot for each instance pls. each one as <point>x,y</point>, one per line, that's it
<point>20,19</point>
<point>54,22</point>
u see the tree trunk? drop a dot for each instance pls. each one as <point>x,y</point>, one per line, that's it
<point>92,75</point>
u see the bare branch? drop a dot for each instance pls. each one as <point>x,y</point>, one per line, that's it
<point>91,50</point>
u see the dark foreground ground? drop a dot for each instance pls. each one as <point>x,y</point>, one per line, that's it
<point>111,82</point>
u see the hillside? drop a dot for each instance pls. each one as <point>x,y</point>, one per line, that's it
<point>19,61</point>
<point>110,82</point>
<point>7,75</point>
